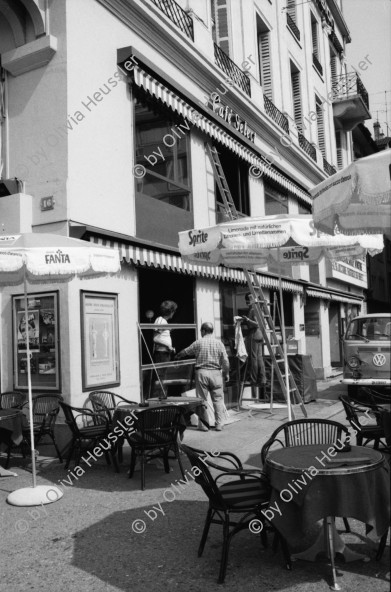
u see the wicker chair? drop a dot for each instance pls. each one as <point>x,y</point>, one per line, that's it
<point>87,428</point>
<point>12,400</point>
<point>45,411</point>
<point>365,432</point>
<point>234,503</point>
<point>156,434</point>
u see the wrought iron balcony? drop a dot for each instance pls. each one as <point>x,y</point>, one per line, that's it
<point>350,100</point>
<point>317,64</point>
<point>276,114</point>
<point>177,15</point>
<point>293,27</point>
<point>328,168</point>
<point>233,71</point>
<point>307,146</point>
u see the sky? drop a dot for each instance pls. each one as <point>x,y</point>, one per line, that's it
<point>369,22</point>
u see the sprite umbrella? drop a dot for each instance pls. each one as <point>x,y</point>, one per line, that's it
<point>288,239</point>
<point>357,199</point>
<point>36,257</point>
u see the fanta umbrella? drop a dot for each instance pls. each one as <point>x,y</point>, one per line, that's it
<point>285,239</point>
<point>39,258</point>
<point>357,199</point>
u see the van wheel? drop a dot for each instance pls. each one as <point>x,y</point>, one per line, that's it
<point>352,391</point>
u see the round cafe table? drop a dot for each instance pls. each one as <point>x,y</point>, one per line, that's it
<point>313,483</point>
<point>11,426</point>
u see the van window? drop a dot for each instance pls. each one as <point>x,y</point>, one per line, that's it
<point>371,328</point>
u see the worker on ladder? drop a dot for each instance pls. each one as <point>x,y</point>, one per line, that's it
<point>255,372</point>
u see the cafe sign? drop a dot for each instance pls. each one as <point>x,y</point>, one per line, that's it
<point>232,118</point>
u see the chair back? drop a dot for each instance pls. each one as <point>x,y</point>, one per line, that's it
<point>159,425</point>
<point>11,400</point>
<point>46,409</point>
<point>203,476</point>
<point>103,402</point>
<point>303,432</point>
<point>72,415</point>
<point>356,410</point>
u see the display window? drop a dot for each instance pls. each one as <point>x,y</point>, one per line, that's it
<point>41,328</point>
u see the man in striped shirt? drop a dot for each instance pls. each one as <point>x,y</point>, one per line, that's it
<point>211,365</point>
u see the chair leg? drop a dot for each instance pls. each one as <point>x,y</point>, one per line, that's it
<point>142,460</point>
<point>225,550</point>
<point>56,447</point>
<point>71,449</point>
<point>347,526</point>
<point>120,453</point>
<point>165,460</point>
<point>7,462</point>
<point>178,456</point>
<point>382,546</point>
<point>114,459</point>
<point>132,463</point>
<point>205,532</point>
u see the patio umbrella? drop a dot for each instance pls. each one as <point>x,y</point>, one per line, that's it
<point>356,199</point>
<point>36,258</point>
<point>288,239</point>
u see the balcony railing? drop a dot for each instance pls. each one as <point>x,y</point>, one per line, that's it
<point>275,114</point>
<point>177,15</point>
<point>307,146</point>
<point>349,85</point>
<point>293,27</point>
<point>328,168</point>
<point>233,71</point>
<point>317,64</point>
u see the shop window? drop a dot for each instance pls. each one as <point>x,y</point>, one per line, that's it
<point>236,173</point>
<point>42,330</point>
<point>304,209</point>
<point>163,187</point>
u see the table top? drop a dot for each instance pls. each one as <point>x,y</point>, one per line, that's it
<point>153,403</point>
<point>325,459</point>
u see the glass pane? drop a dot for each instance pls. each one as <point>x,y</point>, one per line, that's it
<point>164,191</point>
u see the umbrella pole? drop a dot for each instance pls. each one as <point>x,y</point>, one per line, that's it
<point>286,367</point>
<point>30,396</point>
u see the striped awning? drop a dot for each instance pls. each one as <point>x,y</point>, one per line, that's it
<point>172,100</point>
<point>142,256</point>
<point>332,296</point>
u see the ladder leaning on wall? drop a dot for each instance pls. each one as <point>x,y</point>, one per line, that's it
<point>277,353</point>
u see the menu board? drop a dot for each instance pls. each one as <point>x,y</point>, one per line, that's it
<point>40,328</point>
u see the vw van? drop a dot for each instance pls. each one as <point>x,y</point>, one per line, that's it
<point>366,349</point>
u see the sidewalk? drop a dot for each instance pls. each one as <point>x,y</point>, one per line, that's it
<point>106,535</point>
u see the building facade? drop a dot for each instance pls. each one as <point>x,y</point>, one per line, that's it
<point>106,109</point>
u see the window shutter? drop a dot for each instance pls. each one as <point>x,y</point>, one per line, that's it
<point>334,67</point>
<point>220,16</point>
<point>338,141</point>
<point>265,64</point>
<point>296,94</point>
<point>314,29</point>
<point>320,125</point>
<point>291,9</point>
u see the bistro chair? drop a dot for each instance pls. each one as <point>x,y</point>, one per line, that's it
<point>45,411</point>
<point>12,400</point>
<point>234,503</point>
<point>88,429</point>
<point>303,432</point>
<point>357,415</point>
<point>156,433</point>
<point>105,402</point>
<point>6,435</point>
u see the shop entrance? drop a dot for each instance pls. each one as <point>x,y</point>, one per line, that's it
<point>156,286</point>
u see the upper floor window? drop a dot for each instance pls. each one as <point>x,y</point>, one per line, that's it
<point>236,173</point>
<point>276,200</point>
<point>264,58</point>
<point>291,18</point>
<point>220,24</point>
<point>163,193</point>
<point>315,44</point>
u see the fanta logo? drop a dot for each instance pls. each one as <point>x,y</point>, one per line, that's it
<point>58,257</point>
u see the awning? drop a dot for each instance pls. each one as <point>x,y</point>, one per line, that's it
<point>332,296</point>
<point>160,260</point>
<point>172,100</point>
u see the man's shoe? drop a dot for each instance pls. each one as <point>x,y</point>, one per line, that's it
<point>203,428</point>
<point>218,427</point>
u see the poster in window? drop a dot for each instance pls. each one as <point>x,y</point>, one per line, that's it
<point>42,330</point>
<point>100,340</point>
<point>30,329</point>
